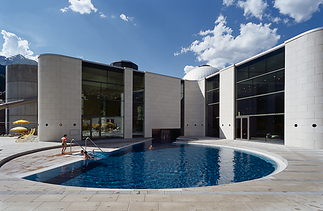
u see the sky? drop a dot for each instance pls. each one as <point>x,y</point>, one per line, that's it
<point>168,37</point>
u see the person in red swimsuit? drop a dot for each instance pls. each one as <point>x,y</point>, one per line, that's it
<point>64,139</point>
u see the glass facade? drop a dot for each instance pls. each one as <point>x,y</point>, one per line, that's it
<point>260,98</point>
<point>138,104</point>
<point>212,106</point>
<point>102,101</point>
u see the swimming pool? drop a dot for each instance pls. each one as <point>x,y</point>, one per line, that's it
<point>165,166</point>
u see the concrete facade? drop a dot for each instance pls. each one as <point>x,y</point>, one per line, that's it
<point>21,84</point>
<point>194,101</point>
<point>162,103</point>
<point>128,88</point>
<point>304,90</point>
<point>226,101</point>
<point>60,85</point>
<point>59,97</point>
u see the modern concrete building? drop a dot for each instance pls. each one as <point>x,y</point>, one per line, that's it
<point>275,96</point>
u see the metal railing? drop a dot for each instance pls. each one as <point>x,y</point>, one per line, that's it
<point>92,143</point>
<point>76,143</point>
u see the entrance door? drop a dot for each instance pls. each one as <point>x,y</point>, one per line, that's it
<point>242,128</point>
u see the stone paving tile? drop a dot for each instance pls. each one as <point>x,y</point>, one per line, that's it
<point>184,198</point>
<point>104,198</point>
<point>50,198</point>
<point>21,198</point>
<point>203,207</point>
<point>115,206</point>
<point>173,206</point>
<point>53,206</point>
<point>77,197</point>
<point>158,198</point>
<point>131,198</point>
<point>233,206</point>
<point>83,206</point>
<point>262,206</point>
<point>212,198</point>
<point>293,206</point>
<point>23,206</point>
<point>143,206</point>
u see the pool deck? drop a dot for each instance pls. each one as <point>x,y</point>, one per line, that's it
<point>297,187</point>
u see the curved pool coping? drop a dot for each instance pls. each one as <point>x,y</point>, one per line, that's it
<point>280,161</point>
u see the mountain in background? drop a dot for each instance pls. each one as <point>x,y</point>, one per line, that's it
<point>18,59</point>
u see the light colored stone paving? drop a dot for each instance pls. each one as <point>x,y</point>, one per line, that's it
<point>298,187</point>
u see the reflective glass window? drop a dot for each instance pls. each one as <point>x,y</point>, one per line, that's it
<point>138,96</point>
<point>212,96</point>
<point>94,72</point>
<point>91,89</point>
<point>138,80</point>
<point>91,107</point>
<point>212,83</point>
<point>138,127</point>
<point>276,60</point>
<point>242,72</point>
<point>257,67</point>
<point>244,89</point>
<point>115,76</point>
<point>267,128</point>
<point>112,91</point>
<point>112,108</point>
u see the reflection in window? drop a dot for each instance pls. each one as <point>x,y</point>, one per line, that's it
<point>260,96</point>
<point>102,97</point>
<point>138,104</point>
<point>212,106</point>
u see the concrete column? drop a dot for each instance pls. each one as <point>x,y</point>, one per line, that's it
<point>227,102</point>
<point>194,101</point>
<point>59,97</point>
<point>128,95</point>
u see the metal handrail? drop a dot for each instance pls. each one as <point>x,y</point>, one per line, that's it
<point>76,143</point>
<point>92,143</point>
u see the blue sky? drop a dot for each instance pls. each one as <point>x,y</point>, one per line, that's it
<point>168,37</point>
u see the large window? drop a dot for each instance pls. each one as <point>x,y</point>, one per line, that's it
<point>102,101</point>
<point>138,104</point>
<point>260,98</point>
<point>212,106</point>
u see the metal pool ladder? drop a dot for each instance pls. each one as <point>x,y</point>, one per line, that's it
<point>76,143</point>
<point>92,143</point>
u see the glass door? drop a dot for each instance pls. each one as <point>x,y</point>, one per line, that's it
<point>242,128</point>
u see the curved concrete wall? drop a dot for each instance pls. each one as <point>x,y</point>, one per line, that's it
<point>21,83</point>
<point>304,90</point>
<point>59,97</point>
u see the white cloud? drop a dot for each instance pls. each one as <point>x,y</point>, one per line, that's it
<point>228,2</point>
<point>14,45</point>
<point>80,6</point>
<point>300,10</point>
<point>102,15</point>
<point>188,68</point>
<point>65,9</point>
<point>126,18</point>
<point>219,48</point>
<point>254,8</point>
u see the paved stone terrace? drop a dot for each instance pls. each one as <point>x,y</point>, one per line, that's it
<point>298,187</point>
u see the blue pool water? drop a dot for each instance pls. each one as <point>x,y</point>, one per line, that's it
<point>165,166</point>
